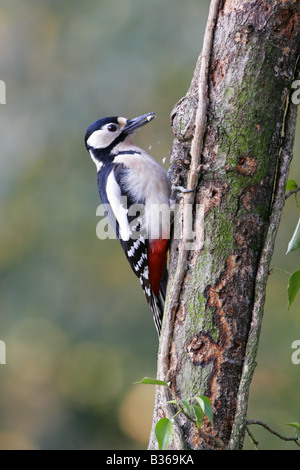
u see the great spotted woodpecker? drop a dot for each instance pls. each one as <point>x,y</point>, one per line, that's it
<point>136,193</point>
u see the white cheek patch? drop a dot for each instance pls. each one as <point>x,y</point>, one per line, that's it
<point>100,139</point>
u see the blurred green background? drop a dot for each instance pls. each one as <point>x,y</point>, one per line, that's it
<point>77,328</point>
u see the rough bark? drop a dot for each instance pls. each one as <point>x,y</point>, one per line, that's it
<point>213,289</point>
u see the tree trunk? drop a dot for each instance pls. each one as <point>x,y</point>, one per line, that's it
<point>237,120</point>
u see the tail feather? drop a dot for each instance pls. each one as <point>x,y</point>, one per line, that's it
<point>156,302</point>
<point>156,305</point>
<point>164,283</point>
<point>151,268</point>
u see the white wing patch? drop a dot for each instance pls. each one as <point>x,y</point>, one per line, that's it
<point>114,198</point>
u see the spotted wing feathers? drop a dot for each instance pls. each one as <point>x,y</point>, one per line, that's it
<point>137,254</point>
<point>131,233</point>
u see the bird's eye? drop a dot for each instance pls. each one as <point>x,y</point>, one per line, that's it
<point>112,127</point>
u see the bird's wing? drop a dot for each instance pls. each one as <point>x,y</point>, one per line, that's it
<point>130,229</point>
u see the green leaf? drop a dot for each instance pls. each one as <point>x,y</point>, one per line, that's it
<point>205,406</point>
<point>198,414</point>
<point>295,240</point>
<point>187,405</point>
<point>293,286</point>
<point>290,185</point>
<point>147,380</point>
<point>172,402</point>
<point>295,425</point>
<point>163,432</point>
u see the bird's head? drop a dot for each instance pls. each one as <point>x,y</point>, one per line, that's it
<point>110,131</point>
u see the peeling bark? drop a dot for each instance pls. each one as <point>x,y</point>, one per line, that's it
<point>252,64</point>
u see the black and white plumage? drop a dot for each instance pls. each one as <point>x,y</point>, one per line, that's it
<point>135,191</point>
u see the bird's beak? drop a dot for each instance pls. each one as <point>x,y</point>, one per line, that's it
<point>136,123</point>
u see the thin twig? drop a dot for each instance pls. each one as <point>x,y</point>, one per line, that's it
<point>291,192</point>
<point>188,198</point>
<point>164,370</point>
<point>272,431</point>
<point>255,442</point>
<point>196,147</point>
<point>201,114</point>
